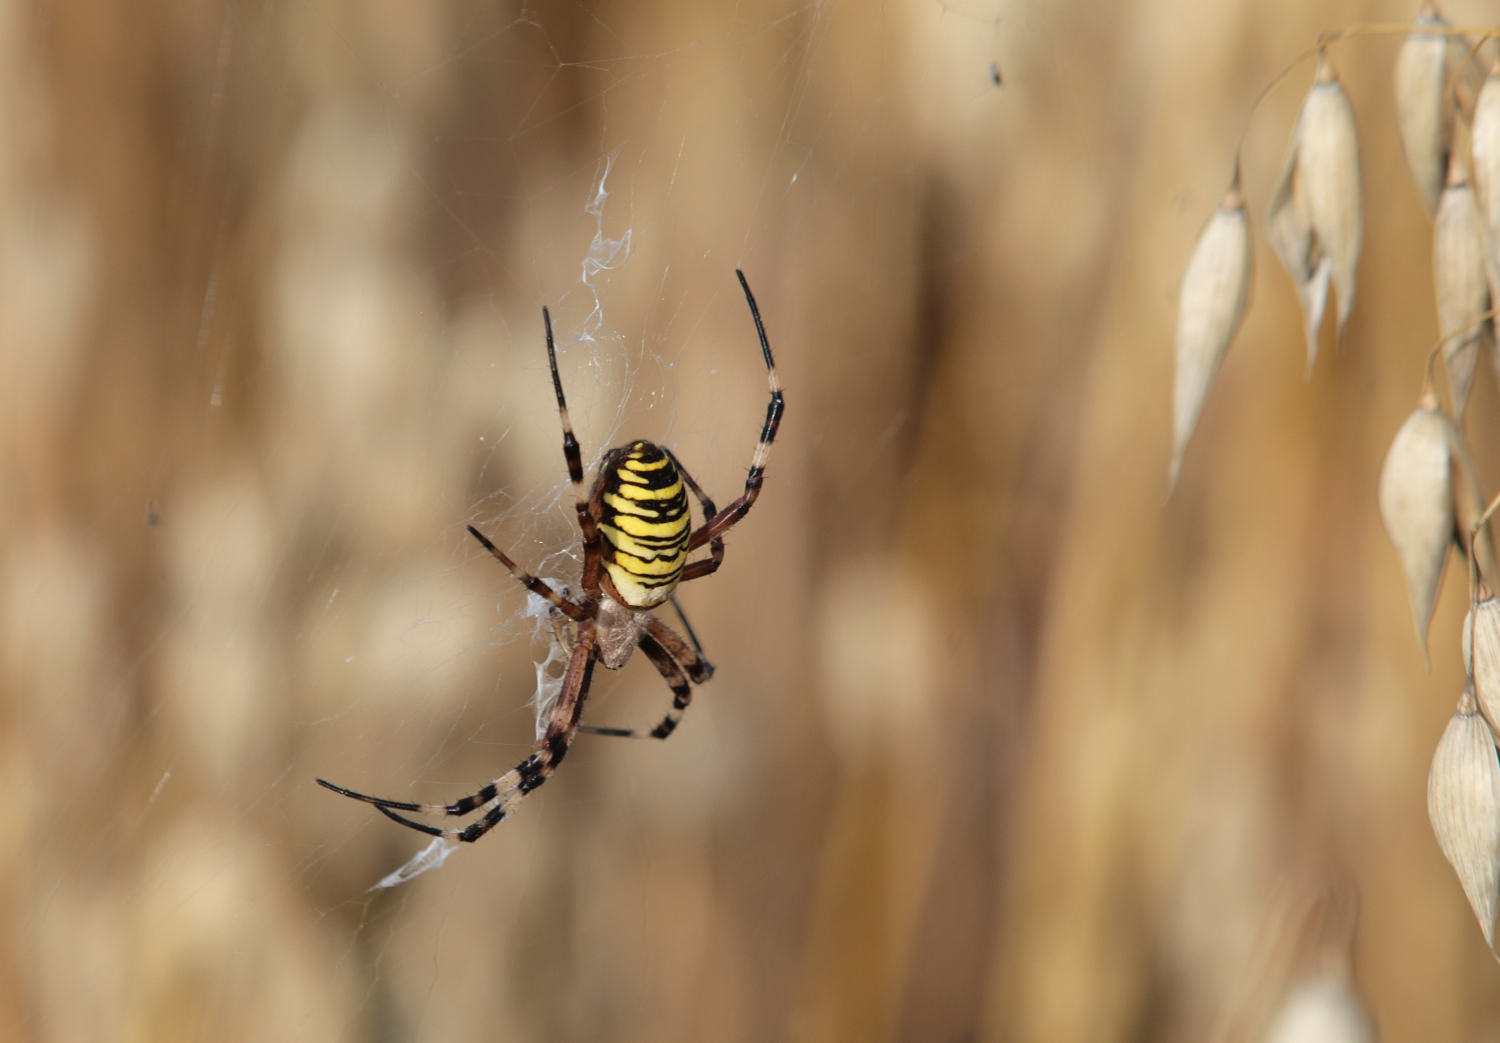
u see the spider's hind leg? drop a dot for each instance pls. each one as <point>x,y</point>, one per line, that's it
<point>505,793</point>
<point>690,656</point>
<point>682,695</point>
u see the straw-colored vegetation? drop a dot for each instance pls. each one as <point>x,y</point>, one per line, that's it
<point>1004,743</point>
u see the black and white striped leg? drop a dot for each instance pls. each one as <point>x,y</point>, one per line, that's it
<point>724,520</point>
<point>690,656</point>
<point>506,792</point>
<point>530,582</point>
<point>688,628</point>
<point>586,524</point>
<point>682,695</point>
<point>708,566</point>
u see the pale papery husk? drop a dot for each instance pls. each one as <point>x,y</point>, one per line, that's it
<point>1416,507</point>
<point>1461,280</point>
<point>1321,1009</point>
<point>1424,106</point>
<point>1482,655</point>
<point>1484,150</point>
<point>1469,503</point>
<point>1463,802</point>
<point>1316,218</point>
<point>1211,305</point>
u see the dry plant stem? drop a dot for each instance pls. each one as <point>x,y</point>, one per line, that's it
<point>1427,382</point>
<point>1477,589</point>
<point>1348,33</point>
<point>1478,320</point>
<point>1458,73</point>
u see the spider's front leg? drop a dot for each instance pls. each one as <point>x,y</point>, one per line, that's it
<point>717,524</point>
<point>506,792</point>
<point>538,587</point>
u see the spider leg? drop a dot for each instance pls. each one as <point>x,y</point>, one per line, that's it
<point>504,784</point>
<point>708,566</point>
<point>682,695</point>
<point>690,656</point>
<point>530,582</point>
<point>724,520</point>
<point>592,545</point>
<point>691,633</point>
<point>506,792</point>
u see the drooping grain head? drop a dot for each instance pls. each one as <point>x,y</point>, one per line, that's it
<point>1482,655</point>
<point>1469,503</point>
<point>1316,218</point>
<point>1463,802</point>
<point>1485,149</point>
<point>1424,107</point>
<point>1416,506</point>
<point>1461,280</point>
<point>1215,293</point>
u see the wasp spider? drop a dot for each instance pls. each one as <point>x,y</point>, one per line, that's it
<point>637,535</point>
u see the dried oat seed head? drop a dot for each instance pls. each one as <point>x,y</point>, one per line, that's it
<point>1463,802</point>
<point>1482,655</point>
<point>1322,1009</point>
<point>1416,506</point>
<point>1468,503</point>
<point>1316,218</point>
<point>1424,106</point>
<point>1215,292</point>
<point>1485,148</point>
<point>1461,278</point>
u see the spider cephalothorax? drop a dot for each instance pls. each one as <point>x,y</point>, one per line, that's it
<point>637,535</point>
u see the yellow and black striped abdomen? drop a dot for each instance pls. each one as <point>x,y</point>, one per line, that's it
<point>644,519</point>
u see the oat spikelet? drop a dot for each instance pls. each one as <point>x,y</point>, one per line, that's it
<point>1482,655</point>
<point>1322,1009</point>
<point>1424,106</point>
<point>1316,219</point>
<point>1485,151</point>
<point>1461,278</point>
<point>1485,147</point>
<point>1416,506</point>
<point>1211,305</point>
<point>1469,503</point>
<point>1463,802</point>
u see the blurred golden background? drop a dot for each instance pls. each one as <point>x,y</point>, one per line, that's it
<point>1003,743</point>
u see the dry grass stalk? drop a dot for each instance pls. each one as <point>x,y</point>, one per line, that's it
<point>1215,293</point>
<point>1461,268</point>
<point>1424,106</point>
<point>1316,218</point>
<point>1416,506</point>
<point>1321,1009</point>
<point>1463,802</point>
